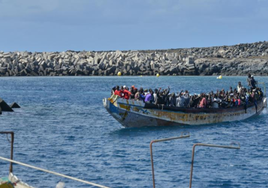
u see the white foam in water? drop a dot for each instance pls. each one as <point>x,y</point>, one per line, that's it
<point>60,185</point>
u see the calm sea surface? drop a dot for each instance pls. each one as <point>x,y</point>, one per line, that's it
<point>62,126</point>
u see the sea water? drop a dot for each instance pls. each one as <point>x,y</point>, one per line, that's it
<point>63,127</point>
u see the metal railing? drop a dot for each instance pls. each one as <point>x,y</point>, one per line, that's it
<point>51,172</point>
<point>37,168</point>
<point>11,150</point>
<point>162,140</point>
<point>208,145</point>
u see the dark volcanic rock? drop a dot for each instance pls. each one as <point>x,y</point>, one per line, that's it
<point>14,105</point>
<point>4,106</point>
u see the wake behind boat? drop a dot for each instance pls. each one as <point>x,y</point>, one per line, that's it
<point>140,113</point>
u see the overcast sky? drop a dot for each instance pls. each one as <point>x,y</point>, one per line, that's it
<point>93,25</point>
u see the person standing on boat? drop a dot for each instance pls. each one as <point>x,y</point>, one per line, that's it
<point>117,91</point>
<point>251,81</point>
<point>133,90</point>
<point>203,102</point>
<point>165,96</point>
<point>155,96</point>
<point>127,93</point>
<point>149,97</point>
<point>180,100</point>
<point>172,100</point>
<point>121,92</point>
<point>113,90</point>
<point>239,87</point>
<point>187,98</point>
<point>141,94</point>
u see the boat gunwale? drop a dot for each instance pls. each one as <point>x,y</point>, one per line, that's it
<point>191,109</point>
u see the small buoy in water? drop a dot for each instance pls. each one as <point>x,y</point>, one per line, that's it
<point>119,74</point>
<point>157,75</point>
<point>219,77</point>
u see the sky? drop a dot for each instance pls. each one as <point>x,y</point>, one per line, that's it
<point>101,25</point>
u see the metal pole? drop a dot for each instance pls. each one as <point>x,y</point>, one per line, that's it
<point>11,150</point>
<point>208,145</point>
<point>151,151</point>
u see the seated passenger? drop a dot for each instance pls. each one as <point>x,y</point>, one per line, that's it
<point>238,102</point>
<point>231,90</point>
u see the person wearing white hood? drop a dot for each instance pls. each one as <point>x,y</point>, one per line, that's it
<point>180,100</point>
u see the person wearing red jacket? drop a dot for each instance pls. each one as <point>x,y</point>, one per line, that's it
<point>121,92</point>
<point>127,93</point>
<point>117,91</point>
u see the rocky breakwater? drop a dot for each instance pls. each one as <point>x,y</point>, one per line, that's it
<point>226,60</point>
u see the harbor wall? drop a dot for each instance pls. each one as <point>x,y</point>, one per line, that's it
<point>239,59</point>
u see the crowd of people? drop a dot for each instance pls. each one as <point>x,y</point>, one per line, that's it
<point>219,99</point>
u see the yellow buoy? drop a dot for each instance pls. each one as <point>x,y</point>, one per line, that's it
<point>119,74</point>
<point>157,75</point>
<point>219,77</point>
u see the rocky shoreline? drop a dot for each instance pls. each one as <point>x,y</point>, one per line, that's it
<point>234,60</point>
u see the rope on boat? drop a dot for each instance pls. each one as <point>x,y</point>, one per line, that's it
<point>55,173</point>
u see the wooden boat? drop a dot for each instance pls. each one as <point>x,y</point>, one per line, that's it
<point>132,113</point>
